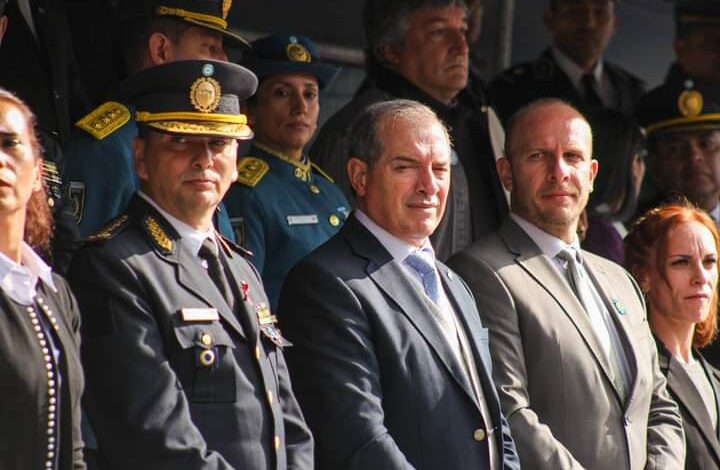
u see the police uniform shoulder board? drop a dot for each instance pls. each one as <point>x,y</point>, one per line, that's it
<point>105,119</point>
<point>109,231</point>
<point>322,173</point>
<point>251,170</point>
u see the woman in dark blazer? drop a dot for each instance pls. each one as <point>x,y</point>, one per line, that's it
<point>40,373</point>
<point>673,252</point>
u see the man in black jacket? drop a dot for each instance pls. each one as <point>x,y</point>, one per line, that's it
<point>573,67</point>
<point>418,50</point>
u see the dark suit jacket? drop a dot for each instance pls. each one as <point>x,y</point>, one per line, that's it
<point>702,441</point>
<point>24,384</point>
<point>552,376</point>
<point>151,401</point>
<point>378,382</point>
<point>43,71</point>
<point>543,78</point>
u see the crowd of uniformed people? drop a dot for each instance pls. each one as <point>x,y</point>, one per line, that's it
<point>193,275</point>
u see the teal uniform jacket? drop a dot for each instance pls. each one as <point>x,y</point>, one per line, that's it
<point>281,211</point>
<point>99,166</point>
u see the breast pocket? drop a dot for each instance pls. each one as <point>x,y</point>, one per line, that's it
<point>205,362</point>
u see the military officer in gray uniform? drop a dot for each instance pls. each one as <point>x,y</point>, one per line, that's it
<point>184,361</point>
<point>99,162</point>
<point>283,205</point>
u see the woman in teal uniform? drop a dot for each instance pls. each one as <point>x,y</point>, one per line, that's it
<point>283,206</point>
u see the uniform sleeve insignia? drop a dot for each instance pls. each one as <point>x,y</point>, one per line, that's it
<point>158,235</point>
<point>251,170</point>
<point>105,119</point>
<point>109,231</point>
<point>322,173</point>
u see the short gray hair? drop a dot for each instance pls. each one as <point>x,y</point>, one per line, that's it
<point>365,133</point>
<point>387,21</point>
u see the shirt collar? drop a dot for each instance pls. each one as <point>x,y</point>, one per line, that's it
<point>189,236</point>
<point>573,71</point>
<point>19,281</point>
<point>398,249</point>
<point>550,245</point>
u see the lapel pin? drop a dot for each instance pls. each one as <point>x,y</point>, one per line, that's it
<point>618,306</point>
<point>245,288</point>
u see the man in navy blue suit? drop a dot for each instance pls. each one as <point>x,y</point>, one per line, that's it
<point>390,361</point>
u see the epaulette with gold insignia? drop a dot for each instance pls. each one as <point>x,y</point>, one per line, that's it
<point>322,173</point>
<point>158,235</point>
<point>105,119</point>
<point>109,231</point>
<point>251,170</point>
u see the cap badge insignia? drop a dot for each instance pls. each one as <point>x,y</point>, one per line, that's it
<point>208,70</point>
<point>226,4</point>
<point>205,94</point>
<point>297,52</point>
<point>690,103</point>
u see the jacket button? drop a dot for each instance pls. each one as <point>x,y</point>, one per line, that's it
<point>277,442</point>
<point>479,435</point>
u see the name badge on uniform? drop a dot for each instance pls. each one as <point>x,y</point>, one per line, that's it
<point>199,314</point>
<point>309,219</point>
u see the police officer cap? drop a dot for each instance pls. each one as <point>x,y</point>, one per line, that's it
<point>282,53</point>
<point>692,13</point>
<point>199,97</point>
<point>211,14</point>
<point>683,106</point>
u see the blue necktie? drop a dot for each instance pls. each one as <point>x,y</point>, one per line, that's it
<point>423,262</point>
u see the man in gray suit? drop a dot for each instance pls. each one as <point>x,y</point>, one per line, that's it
<point>574,363</point>
<point>390,361</point>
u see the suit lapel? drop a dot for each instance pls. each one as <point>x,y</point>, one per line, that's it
<point>540,268</point>
<point>611,299</point>
<point>392,279</point>
<point>688,397</point>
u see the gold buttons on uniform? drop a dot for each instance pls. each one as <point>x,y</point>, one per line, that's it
<point>257,352</point>
<point>270,396</point>
<point>479,435</point>
<point>334,220</point>
<point>314,189</point>
<point>207,358</point>
<point>206,339</point>
<point>277,442</point>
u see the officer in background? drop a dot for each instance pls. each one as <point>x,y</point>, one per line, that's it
<point>99,155</point>
<point>573,67</point>
<point>183,360</point>
<point>283,206</point>
<point>682,121</point>
<point>697,42</point>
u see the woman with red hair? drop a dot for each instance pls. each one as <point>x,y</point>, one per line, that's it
<point>673,253</point>
<point>40,373</point>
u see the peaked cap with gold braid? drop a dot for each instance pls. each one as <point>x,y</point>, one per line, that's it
<point>679,107</point>
<point>211,14</point>
<point>192,97</point>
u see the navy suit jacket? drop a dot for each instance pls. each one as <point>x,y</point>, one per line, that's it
<point>378,383</point>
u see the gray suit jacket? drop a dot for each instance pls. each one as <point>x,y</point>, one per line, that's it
<point>151,400</point>
<point>552,377</point>
<point>378,383</point>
